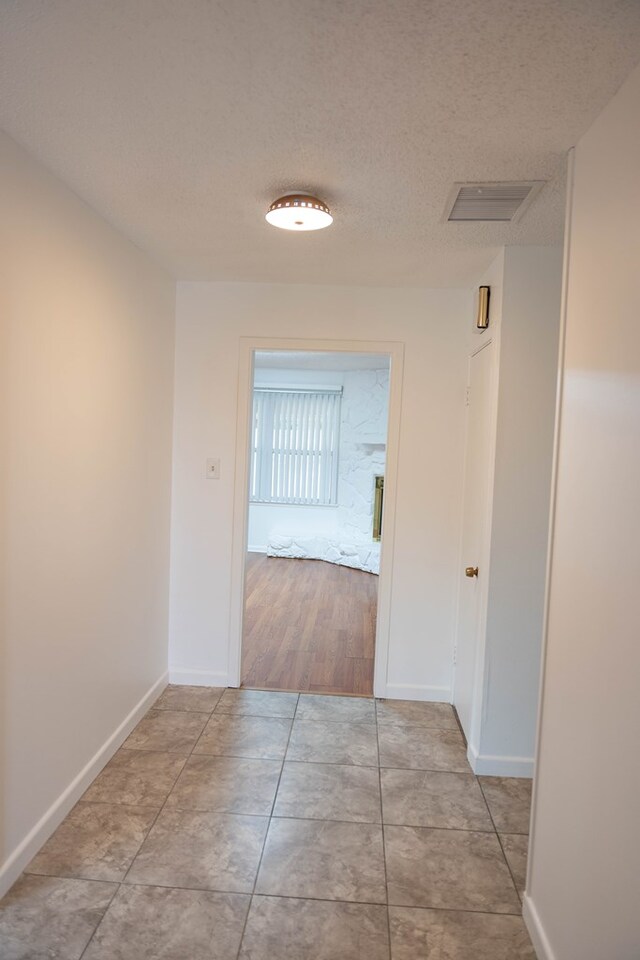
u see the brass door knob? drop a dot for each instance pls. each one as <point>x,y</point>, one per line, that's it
<point>471,572</point>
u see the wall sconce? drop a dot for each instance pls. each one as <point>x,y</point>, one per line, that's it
<point>482,318</point>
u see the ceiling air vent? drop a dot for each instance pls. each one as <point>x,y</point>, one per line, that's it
<point>504,202</point>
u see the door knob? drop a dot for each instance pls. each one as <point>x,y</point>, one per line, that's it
<point>471,572</point>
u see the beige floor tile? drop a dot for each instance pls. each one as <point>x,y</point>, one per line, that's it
<point>443,935</point>
<point>515,846</point>
<point>258,703</point>
<point>422,748</point>
<point>509,800</point>
<point>262,738</point>
<point>346,709</point>
<point>192,699</point>
<point>96,841</point>
<point>149,923</point>
<point>318,866</point>
<point>139,777</point>
<point>323,860</point>
<point>289,929</point>
<point>419,713</point>
<point>227,785</point>
<point>448,869</point>
<point>170,731</point>
<point>428,798</point>
<point>329,792</point>
<point>215,851</point>
<point>319,741</point>
<point>50,918</point>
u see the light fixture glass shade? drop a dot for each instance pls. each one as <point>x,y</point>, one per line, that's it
<point>297,211</point>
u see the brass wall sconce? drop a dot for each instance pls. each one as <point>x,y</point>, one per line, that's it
<point>482,318</point>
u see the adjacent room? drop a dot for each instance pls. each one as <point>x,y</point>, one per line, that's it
<point>319,409</point>
<point>316,498</point>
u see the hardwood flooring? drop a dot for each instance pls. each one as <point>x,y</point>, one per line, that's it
<point>308,625</point>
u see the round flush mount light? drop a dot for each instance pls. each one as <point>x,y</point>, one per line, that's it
<point>299,211</point>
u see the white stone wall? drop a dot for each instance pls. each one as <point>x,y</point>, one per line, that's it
<point>363,434</point>
<point>360,556</point>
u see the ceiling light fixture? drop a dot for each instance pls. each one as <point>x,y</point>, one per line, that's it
<point>299,211</point>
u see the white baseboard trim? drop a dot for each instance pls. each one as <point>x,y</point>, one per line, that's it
<point>253,549</point>
<point>27,849</point>
<point>197,678</point>
<point>486,765</point>
<point>538,936</point>
<point>406,691</point>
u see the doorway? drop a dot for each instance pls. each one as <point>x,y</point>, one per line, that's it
<point>318,442</point>
<point>317,449</point>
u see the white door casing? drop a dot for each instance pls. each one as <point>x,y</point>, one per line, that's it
<point>248,345</point>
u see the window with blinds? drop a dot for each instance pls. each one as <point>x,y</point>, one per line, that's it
<point>295,439</point>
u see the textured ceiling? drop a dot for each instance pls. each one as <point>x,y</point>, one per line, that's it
<point>181,121</point>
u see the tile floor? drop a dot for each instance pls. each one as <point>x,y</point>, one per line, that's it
<point>253,825</point>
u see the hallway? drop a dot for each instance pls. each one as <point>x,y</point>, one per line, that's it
<point>251,824</point>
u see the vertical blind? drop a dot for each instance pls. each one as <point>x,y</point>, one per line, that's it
<point>295,445</point>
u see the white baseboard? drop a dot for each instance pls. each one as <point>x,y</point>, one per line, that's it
<point>538,936</point>
<point>27,849</point>
<point>486,765</point>
<point>253,549</point>
<point>197,678</point>
<point>406,691</point>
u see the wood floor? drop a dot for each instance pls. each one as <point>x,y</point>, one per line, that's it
<point>308,625</point>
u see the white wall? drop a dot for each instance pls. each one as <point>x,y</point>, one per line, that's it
<point>521,495</point>
<point>285,518</point>
<point>86,381</point>
<point>433,325</point>
<point>363,437</point>
<point>583,891</point>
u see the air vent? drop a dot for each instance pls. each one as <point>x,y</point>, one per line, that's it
<point>504,202</point>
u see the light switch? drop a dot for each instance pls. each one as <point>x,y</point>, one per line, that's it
<point>213,469</point>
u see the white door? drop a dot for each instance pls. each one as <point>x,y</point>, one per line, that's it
<point>474,534</point>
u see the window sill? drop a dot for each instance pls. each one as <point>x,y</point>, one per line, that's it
<point>293,503</point>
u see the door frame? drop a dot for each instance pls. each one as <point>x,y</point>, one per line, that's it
<point>247,347</point>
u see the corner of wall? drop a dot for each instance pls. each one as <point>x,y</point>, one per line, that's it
<point>29,846</point>
<point>536,931</point>
<point>488,765</point>
<point>406,691</point>
<point>198,678</point>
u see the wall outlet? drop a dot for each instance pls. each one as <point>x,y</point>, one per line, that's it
<point>213,469</point>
